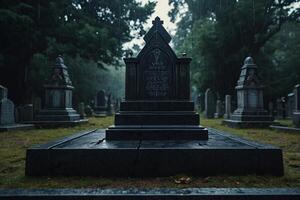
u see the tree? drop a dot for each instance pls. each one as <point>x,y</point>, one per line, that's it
<point>93,30</point>
<point>221,33</point>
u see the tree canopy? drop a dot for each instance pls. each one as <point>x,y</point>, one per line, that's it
<point>89,31</point>
<point>220,34</point>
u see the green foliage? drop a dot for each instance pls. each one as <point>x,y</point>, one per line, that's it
<point>93,30</point>
<point>219,35</point>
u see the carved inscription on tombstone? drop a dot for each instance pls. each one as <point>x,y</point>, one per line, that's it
<point>157,76</point>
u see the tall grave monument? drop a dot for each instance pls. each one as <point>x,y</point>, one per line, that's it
<point>58,99</point>
<point>156,131</point>
<point>157,102</point>
<point>250,111</point>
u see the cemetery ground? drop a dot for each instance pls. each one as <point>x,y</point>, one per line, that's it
<point>13,147</point>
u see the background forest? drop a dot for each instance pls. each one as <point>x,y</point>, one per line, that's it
<point>220,34</point>
<point>90,34</point>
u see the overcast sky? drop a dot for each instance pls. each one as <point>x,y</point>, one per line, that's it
<point>161,10</point>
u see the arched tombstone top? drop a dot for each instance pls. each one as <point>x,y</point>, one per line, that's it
<point>248,61</point>
<point>156,74</point>
<point>7,109</point>
<point>3,92</point>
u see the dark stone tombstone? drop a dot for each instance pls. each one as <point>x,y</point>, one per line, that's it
<point>227,107</point>
<point>210,104</point>
<point>218,113</point>
<point>7,113</point>
<point>250,111</point>
<point>58,98</point>
<point>7,108</point>
<point>100,104</point>
<point>290,104</point>
<point>157,94</point>
<point>201,102</point>
<point>296,112</point>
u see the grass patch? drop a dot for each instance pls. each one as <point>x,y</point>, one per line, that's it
<point>13,147</point>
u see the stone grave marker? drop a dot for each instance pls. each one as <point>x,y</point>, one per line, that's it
<point>210,104</point>
<point>250,111</point>
<point>227,107</point>
<point>58,110</point>
<point>296,112</point>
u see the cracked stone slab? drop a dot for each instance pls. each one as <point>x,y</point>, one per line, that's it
<point>89,154</point>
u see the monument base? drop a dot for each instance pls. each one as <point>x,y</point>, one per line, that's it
<point>90,154</point>
<point>14,127</point>
<point>247,124</point>
<point>156,132</point>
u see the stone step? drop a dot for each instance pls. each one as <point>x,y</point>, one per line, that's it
<point>157,133</point>
<point>157,118</point>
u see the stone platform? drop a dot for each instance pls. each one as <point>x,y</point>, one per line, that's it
<point>89,154</point>
<point>14,127</point>
<point>153,193</point>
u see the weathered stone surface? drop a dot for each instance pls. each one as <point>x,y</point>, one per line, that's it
<point>153,194</point>
<point>296,112</point>
<point>290,104</point>
<point>157,94</point>
<point>219,109</point>
<point>201,102</point>
<point>227,107</point>
<point>210,103</point>
<point>3,92</point>
<point>58,98</point>
<point>90,154</point>
<point>7,108</point>
<point>250,111</point>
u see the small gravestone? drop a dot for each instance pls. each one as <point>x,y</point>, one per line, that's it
<point>279,108</point>
<point>100,107</point>
<point>296,111</point>
<point>218,113</point>
<point>210,104</point>
<point>227,107</point>
<point>250,111</point>
<point>7,113</point>
<point>7,108</point>
<point>58,110</point>
<point>201,102</point>
<point>290,104</point>
<point>81,110</point>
